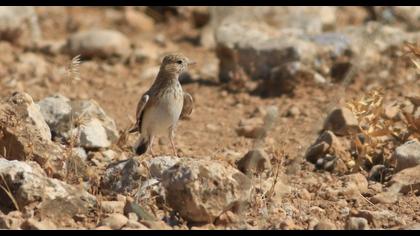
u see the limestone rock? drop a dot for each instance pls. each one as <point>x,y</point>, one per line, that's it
<point>121,177</point>
<point>30,184</point>
<point>19,24</point>
<point>342,122</point>
<point>255,161</point>
<point>160,164</point>
<point>357,223</point>
<point>407,155</point>
<point>26,136</point>
<point>98,43</point>
<point>200,190</point>
<point>115,221</point>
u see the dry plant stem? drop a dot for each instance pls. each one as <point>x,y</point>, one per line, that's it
<point>99,208</point>
<point>9,192</point>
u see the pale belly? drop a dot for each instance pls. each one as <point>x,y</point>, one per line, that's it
<point>158,119</point>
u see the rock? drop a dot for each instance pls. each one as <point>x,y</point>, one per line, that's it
<point>251,128</point>
<point>91,113</point>
<point>354,184</point>
<point>19,24</point>
<point>381,38</point>
<point>140,212</point>
<point>93,135</point>
<point>103,227</point>
<point>56,199</point>
<point>138,20</point>
<point>12,220</point>
<point>147,52</point>
<point>414,99</point>
<point>407,155</point>
<point>283,79</point>
<point>160,164</point>
<point>27,136</point>
<point>227,218</point>
<point>109,155</point>
<point>388,197</point>
<point>325,225</point>
<point>31,65</point>
<point>24,103</point>
<point>410,15</point>
<point>32,224</point>
<point>415,226</point>
<point>156,225</point>
<point>80,152</point>
<point>90,108</point>
<point>113,206</point>
<point>280,188</point>
<point>309,19</point>
<point>257,51</point>
<point>339,70</point>
<point>357,223</point>
<point>255,161</point>
<point>407,180</point>
<point>392,111</point>
<point>377,173</point>
<point>329,152</point>
<point>342,122</point>
<point>135,225</point>
<point>84,119</point>
<point>121,177</point>
<point>287,224</point>
<point>152,188</point>
<point>304,194</point>
<point>191,184</point>
<point>115,221</point>
<point>377,217</point>
<point>98,43</point>
<point>149,73</point>
<point>49,47</point>
<point>293,112</point>
<point>201,16</point>
<point>56,111</point>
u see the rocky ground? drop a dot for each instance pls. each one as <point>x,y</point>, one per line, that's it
<point>304,118</point>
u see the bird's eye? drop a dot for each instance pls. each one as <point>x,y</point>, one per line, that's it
<point>179,62</point>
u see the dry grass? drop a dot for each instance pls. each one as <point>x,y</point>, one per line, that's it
<point>413,52</point>
<point>379,134</point>
<point>6,189</point>
<point>369,112</point>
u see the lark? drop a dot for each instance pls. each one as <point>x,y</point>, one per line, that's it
<point>160,108</point>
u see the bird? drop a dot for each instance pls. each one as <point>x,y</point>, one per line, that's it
<point>160,107</point>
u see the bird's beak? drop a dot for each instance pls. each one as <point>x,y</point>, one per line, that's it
<point>190,63</point>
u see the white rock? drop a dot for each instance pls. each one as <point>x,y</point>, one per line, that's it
<point>93,135</point>
<point>19,23</point>
<point>407,155</point>
<point>357,223</point>
<point>160,164</point>
<point>56,111</point>
<point>200,190</point>
<point>115,221</point>
<point>101,43</point>
<point>30,184</point>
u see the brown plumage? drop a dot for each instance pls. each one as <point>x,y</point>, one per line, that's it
<point>160,108</point>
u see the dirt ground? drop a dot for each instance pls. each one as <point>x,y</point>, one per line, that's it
<point>211,130</point>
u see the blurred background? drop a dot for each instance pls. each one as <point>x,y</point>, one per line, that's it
<point>295,56</point>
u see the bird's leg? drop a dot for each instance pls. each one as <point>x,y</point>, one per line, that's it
<point>171,138</point>
<point>151,145</point>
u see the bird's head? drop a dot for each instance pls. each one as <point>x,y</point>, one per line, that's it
<point>175,63</point>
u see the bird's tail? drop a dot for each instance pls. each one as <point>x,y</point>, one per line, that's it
<point>142,145</point>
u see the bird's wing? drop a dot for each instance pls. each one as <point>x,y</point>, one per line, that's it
<point>139,113</point>
<point>187,107</point>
